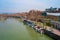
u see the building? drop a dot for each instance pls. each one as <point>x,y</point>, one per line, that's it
<point>54,10</point>
<point>55,19</point>
<point>56,24</point>
<point>54,16</point>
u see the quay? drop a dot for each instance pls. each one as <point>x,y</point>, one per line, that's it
<point>55,34</point>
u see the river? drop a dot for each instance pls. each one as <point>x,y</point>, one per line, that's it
<point>14,29</point>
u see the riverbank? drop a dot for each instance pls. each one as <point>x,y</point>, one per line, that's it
<point>55,34</point>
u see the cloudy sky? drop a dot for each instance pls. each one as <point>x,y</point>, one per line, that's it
<point>26,5</point>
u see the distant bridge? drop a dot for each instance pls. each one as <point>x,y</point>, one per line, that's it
<point>12,15</point>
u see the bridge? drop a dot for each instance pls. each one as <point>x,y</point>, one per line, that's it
<point>17,15</point>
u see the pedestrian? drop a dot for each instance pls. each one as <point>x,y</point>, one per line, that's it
<point>41,30</point>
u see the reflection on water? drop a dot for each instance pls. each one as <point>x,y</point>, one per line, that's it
<point>13,29</point>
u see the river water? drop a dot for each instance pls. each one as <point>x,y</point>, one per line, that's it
<point>14,29</point>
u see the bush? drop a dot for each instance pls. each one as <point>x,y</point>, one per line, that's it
<point>48,24</point>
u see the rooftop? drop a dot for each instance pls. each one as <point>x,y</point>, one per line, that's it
<point>54,14</point>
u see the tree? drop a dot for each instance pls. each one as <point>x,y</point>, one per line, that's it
<point>44,14</point>
<point>48,24</point>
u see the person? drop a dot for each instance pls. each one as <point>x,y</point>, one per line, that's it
<point>37,28</point>
<point>41,30</point>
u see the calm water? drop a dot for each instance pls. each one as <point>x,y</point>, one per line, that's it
<point>14,29</point>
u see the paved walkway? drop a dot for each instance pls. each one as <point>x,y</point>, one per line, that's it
<point>55,31</point>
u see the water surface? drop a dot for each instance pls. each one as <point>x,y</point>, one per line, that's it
<point>14,29</point>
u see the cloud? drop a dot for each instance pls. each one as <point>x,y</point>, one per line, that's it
<point>33,4</point>
<point>28,2</point>
<point>23,5</point>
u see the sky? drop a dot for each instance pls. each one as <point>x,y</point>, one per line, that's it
<point>14,6</point>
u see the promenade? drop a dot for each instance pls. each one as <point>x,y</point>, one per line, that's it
<point>53,30</point>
